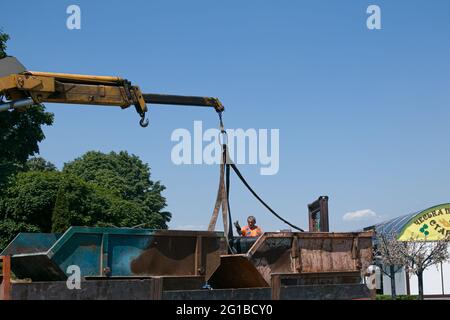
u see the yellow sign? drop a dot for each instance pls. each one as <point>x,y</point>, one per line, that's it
<point>430,225</point>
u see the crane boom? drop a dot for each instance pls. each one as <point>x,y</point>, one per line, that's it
<point>28,87</point>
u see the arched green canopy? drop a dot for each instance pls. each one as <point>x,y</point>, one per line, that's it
<point>430,224</point>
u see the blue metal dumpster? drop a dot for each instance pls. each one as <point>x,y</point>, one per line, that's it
<point>116,252</point>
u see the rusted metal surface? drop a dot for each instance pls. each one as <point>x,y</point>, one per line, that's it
<point>318,215</point>
<point>237,271</point>
<point>36,266</point>
<point>219,294</point>
<point>318,278</point>
<point>272,254</point>
<point>152,289</point>
<point>276,286</point>
<point>311,253</point>
<point>183,283</point>
<point>180,253</point>
<point>186,260</point>
<point>316,292</point>
<point>325,292</point>
<point>113,252</point>
<point>176,265</point>
<point>168,283</point>
<point>5,280</point>
<point>321,258</point>
<point>129,289</point>
<point>156,289</point>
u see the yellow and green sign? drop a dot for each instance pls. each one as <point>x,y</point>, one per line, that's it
<point>431,225</point>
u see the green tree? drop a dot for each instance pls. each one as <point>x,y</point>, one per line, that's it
<point>39,164</point>
<point>42,199</point>
<point>10,228</point>
<point>20,132</point>
<point>79,203</point>
<point>124,174</point>
<point>26,204</point>
<point>29,198</point>
<point>127,178</point>
<point>3,39</point>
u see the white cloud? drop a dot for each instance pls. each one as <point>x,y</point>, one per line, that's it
<point>365,214</point>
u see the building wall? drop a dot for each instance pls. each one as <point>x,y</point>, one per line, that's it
<point>400,283</point>
<point>433,282</point>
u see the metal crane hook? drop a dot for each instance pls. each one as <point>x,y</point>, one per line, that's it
<point>143,122</point>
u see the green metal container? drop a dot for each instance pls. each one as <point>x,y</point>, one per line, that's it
<point>116,252</point>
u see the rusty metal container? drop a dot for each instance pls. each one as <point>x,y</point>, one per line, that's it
<point>313,257</point>
<point>116,252</point>
<point>188,259</point>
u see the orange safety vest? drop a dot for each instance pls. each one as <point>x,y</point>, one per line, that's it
<point>247,232</point>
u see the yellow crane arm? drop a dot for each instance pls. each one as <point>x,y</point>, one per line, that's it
<point>29,87</point>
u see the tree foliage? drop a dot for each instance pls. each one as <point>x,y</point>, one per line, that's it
<point>418,255</point>
<point>96,189</point>
<point>3,39</point>
<point>135,198</point>
<point>387,256</point>
<point>39,164</point>
<point>20,132</point>
<point>10,228</point>
<point>125,175</point>
<point>30,197</point>
<point>414,255</point>
<point>388,250</point>
<point>26,204</point>
<point>78,203</point>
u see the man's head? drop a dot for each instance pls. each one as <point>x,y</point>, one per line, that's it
<point>251,221</point>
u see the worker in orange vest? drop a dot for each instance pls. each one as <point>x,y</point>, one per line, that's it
<point>250,230</point>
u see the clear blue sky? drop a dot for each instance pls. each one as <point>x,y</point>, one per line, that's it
<point>363,115</point>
